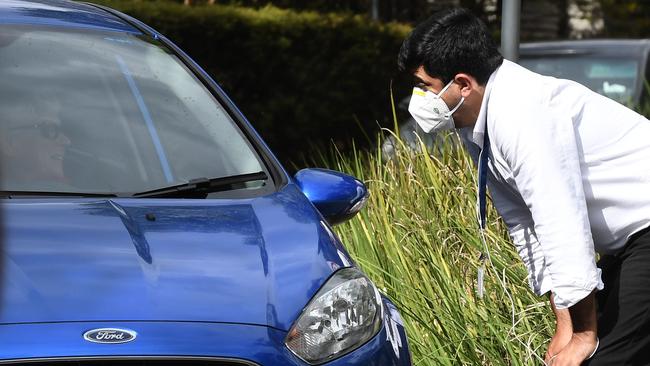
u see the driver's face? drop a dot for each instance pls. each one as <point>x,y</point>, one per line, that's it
<point>40,148</point>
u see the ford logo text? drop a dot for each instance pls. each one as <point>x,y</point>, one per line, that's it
<point>110,335</point>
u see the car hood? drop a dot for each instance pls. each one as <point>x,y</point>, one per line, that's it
<point>251,261</point>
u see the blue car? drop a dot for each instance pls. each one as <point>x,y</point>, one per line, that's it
<point>145,222</point>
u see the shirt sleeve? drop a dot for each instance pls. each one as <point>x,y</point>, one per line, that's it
<point>542,153</point>
<point>520,225</point>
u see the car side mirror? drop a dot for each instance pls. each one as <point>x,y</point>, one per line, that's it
<point>336,195</point>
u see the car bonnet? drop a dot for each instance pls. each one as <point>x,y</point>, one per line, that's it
<point>252,261</point>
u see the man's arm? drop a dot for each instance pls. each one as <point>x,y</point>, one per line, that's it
<point>583,341</point>
<point>542,153</point>
<point>563,331</point>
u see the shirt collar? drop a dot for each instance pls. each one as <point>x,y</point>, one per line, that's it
<point>481,122</point>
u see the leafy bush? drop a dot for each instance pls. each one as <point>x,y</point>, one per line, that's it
<point>302,78</point>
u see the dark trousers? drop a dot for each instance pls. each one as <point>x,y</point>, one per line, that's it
<point>624,305</point>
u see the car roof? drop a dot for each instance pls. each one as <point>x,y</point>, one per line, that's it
<point>61,13</point>
<point>591,46</point>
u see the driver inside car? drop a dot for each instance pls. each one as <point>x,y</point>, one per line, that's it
<point>32,147</point>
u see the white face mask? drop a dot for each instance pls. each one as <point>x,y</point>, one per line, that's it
<point>430,111</point>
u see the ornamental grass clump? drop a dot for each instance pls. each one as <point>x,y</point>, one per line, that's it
<point>418,239</point>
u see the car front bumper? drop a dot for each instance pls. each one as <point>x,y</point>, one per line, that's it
<point>250,344</point>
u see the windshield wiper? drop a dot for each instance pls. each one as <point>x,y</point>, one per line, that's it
<point>13,194</point>
<point>200,187</point>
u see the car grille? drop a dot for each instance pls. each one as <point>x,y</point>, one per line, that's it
<point>185,361</point>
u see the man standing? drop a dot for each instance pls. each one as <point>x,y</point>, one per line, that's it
<point>569,172</point>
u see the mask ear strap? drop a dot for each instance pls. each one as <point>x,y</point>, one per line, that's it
<point>446,87</point>
<point>462,99</point>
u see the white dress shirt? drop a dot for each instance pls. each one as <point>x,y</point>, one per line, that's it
<point>569,172</point>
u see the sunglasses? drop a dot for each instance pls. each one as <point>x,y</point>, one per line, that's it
<point>48,130</point>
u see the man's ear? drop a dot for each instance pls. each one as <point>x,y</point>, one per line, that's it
<point>467,84</point>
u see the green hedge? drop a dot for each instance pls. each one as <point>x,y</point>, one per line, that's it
<point>303,79</point>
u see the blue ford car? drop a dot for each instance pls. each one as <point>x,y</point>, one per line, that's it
<point>146,223</point>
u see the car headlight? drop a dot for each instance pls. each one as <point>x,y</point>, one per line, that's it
<point>345,313</point>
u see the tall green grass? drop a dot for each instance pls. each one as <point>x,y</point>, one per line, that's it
<point>418,240</point>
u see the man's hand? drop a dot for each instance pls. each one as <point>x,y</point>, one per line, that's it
<point>576,351</point>
<point>582,341</point>
<point>558,342</point>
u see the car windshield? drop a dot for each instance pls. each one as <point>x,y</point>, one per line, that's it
<point>100,111</point>
<point>613,77</point>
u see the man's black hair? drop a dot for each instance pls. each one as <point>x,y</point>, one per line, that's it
<point>450,42</point>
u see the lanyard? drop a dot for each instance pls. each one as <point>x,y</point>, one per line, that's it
<point>481,204</point>
<point>482,181</point>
